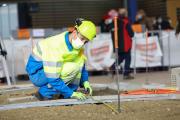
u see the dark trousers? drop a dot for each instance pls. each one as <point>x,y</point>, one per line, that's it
<point>127,57</point>
<point>123,56</point>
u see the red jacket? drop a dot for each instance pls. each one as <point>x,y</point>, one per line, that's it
<point>125,34</point>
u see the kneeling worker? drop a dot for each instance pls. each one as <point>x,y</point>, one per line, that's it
<point>57,63</point>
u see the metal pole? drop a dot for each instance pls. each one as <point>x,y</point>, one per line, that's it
<point>147,79</point>
<point>9,22</point>
<point>169,58</point>
<point>1,23</point>
<point>169,50</point>
<point>13,62</point>
<point>162,47</point>
<point>117,62</point>
<point>134,55</point>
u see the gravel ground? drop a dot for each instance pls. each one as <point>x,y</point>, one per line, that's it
<point>140,110</point>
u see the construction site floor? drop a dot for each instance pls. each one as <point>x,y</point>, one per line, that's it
<point>132,110</point>
<point>161,77</point>
<point>139,110</point>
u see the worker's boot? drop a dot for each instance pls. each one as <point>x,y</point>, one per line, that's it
<point>40,97</point>
<point>57,96</point>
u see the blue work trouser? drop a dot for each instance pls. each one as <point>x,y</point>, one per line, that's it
<point>46,89</point>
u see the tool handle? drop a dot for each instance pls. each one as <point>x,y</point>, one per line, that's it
<point>115,33</point>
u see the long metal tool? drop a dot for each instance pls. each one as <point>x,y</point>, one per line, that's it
<point>117,61</point>
<point>99,101</point>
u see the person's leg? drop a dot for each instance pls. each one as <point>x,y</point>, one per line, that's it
<point>50,91</point>
<point>47,92</point>
<point>127,63</point>
<point>38,79</point>
<point>121,56</point>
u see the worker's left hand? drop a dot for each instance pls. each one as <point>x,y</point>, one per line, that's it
<point>88,87</point>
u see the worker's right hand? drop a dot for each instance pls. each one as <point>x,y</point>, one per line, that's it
<point>78,95</point>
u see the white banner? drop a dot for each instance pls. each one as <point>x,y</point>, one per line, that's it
<point>38,33</point>
<point>145,52</point>
<point>171,48</point>
<point>99,52</point>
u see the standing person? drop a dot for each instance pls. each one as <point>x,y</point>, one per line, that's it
<point>125,34</point>
<point>57,63</point>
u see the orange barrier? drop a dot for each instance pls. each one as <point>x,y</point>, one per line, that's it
<point>137,28</point>
<point>150,91</point>
<point>23,34</point>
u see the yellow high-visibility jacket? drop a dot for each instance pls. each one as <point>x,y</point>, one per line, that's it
<point>54,53</point>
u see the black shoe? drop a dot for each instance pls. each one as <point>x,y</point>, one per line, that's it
<point>40,97</point>
<point>128,77</point>
<point>57,96</point>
